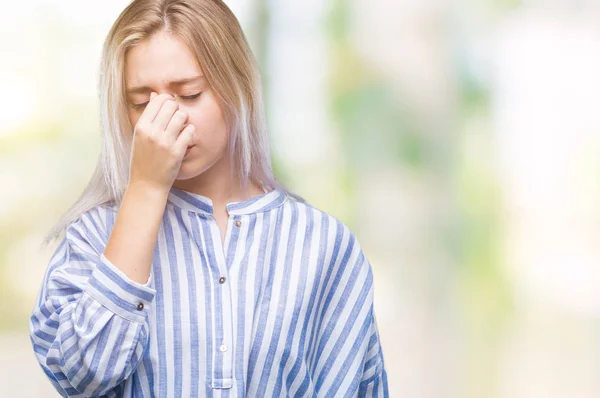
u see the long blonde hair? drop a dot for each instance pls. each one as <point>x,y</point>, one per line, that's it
<point>214,35</point>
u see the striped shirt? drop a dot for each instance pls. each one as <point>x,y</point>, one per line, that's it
<point>282,307</point>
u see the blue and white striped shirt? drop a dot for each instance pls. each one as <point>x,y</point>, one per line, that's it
<point>283,308</point>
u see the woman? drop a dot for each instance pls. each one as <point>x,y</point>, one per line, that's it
<point>186,269</point>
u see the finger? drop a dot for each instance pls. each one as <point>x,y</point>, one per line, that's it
<point>164,115</point>
<point>153,107</point>
<point>185,139</point>
<point>175,125</point>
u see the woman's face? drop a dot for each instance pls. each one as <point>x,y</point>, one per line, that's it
<point>164,64</point>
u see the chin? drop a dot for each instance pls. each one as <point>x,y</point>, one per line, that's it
<point>191,168</point>
<point>196,165</point>
<point>186,173</point>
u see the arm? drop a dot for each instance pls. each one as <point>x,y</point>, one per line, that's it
<point>348,357</point>
<point>89,328</point>
<point>133,238</point>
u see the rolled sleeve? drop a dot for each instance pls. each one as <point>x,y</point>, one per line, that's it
<point>122,295</point>
<point>89,327</point>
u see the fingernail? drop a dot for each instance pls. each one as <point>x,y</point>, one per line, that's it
<point>152,95</point>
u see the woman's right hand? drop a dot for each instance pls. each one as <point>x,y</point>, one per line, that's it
<point>159,143</point>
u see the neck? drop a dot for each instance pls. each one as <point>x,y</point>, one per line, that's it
<point>216,184</point>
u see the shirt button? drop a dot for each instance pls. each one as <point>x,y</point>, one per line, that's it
<point>223,348</point>
<point>140,306</point>
<point>238,223</point>
<point>222,280</point>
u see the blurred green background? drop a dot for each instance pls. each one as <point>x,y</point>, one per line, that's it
<point>457,139</point>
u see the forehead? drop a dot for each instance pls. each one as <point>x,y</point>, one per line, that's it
<point>158,60</point>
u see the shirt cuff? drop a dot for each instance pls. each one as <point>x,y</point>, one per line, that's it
<point>117,292</point>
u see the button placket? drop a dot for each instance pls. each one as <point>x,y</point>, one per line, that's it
<point>224,337</point>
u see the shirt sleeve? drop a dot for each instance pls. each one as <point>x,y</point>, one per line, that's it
<point>374,378</point>
<point>348,356</point>
<point>89,327</point>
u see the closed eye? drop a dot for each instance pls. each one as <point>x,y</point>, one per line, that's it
<point>190,97</point>
<point>138,106</point>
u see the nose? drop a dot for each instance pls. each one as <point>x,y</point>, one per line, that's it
<point>160,93</point>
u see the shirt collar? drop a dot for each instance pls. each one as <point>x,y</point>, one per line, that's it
<point>202,204</point>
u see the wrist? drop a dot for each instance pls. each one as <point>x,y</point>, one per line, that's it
<point>146,190</point>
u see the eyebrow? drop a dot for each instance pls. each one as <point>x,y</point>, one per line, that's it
<point>172,83</point>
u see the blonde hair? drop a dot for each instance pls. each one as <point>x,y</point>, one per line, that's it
<point>214,35</point>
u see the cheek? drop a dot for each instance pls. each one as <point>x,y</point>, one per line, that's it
<point>133,117</point>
